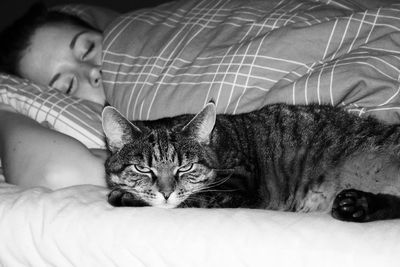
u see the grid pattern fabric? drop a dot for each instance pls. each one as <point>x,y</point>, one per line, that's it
<point>74,117</point>
<point>244,54</point>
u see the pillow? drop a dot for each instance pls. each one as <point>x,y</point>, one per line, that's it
<point>75,117</point>
<point>72,116</point>
<point>174,58</point>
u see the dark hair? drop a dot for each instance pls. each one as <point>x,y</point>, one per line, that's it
<point>16,38</point>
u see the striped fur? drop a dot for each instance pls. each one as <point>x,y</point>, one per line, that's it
<point>281,157</point>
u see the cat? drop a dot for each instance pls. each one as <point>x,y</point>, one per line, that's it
<point>301,158</point>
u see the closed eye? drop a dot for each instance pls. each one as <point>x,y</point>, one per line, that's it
<point>142,169</point>
<point>196,180</point>
<point>70,86</point>
<point>90,49</point>
<point>186,168</point>
<point>64,83</point>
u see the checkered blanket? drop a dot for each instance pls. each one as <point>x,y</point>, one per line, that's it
<point>244,54</point>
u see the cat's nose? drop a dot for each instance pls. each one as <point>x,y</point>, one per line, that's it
<point>166,194</point>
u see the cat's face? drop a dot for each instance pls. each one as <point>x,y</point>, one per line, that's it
<point>162,167</point>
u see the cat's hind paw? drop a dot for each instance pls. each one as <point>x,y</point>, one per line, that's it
<point>122,198</point>
<point>351,205</point>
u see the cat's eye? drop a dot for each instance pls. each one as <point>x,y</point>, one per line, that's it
<point>194,180</point>
<point>186,168</point>
<point>142,169</point>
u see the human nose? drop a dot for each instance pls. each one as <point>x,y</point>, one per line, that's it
<point>95,76</point>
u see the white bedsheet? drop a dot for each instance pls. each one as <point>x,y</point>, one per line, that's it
<point>77,227</point>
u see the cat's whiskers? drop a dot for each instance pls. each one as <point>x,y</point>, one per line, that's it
<point>214,184</point>
<point>190,194</point>
<point>194,197</point>
<point>216,190</point>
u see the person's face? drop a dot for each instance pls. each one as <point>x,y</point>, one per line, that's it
<point>67,58</point>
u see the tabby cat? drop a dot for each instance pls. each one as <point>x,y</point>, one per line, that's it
<point>281,157</point>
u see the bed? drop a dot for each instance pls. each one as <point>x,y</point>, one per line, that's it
<point>173,58</point>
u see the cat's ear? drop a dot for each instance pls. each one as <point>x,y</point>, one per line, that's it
<point>117,129</point>
<point>202,124</point>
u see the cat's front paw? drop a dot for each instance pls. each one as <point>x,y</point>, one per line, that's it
<point>122,198</point>
<point>351,205</point>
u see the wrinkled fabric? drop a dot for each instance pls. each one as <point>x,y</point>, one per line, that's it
<point>77,227</point>
<point>175,58</point>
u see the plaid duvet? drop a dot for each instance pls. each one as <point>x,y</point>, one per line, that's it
<point>244,54</point>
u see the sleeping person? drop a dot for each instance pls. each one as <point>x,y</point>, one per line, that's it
<point>64,52</point>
